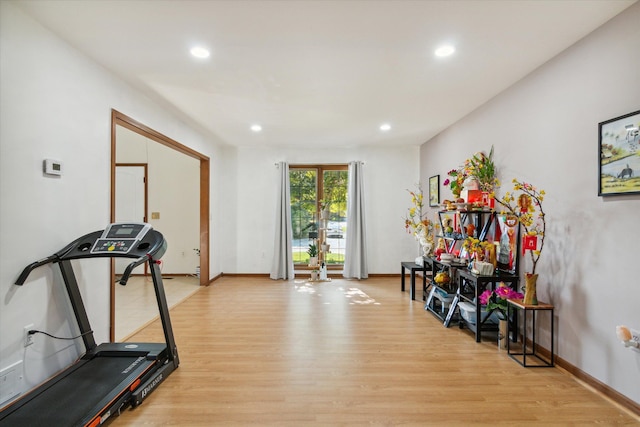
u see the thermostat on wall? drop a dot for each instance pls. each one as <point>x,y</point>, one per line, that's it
<point>52,167</point>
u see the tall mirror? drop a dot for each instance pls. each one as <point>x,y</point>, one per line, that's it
<point>161,182</point>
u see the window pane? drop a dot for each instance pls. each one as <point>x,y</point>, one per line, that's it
<point>312,188</point>
<point>304,190</point>
<point>335,196</point>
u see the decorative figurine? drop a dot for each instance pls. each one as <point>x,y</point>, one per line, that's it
<point>470,229</point>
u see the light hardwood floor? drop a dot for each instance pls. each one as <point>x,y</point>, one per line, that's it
<point>136,304</point>
<point>343,353</point>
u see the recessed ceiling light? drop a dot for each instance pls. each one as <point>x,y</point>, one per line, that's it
<point>445,50</point>
<point>385,127</point>
<point>256,128</point>
<point>199,52</point>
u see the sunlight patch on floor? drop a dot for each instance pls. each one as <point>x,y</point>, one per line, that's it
<point>358,296</point>
<point>305,288</point>
<point>355,295</point>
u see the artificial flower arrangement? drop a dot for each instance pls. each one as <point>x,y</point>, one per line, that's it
<point>416,222</point>
<point>528,210</point>
<point>483,169</point>
<point>456,183</point>
<point>476,246</point>
<point>497,300</point>
<point>479,167</point>
<point>530,215</point>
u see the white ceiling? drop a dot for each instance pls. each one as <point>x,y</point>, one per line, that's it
<point>327,73</point>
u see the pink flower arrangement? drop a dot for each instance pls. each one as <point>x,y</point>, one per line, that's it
<point>497,300</point>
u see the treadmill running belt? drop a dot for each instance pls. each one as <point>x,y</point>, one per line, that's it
<point>69,401</point>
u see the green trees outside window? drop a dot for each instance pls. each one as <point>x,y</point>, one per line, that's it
<point>312,189</point>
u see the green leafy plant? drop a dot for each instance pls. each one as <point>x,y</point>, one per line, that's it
<point>482,168</point>
<point>313,250</point>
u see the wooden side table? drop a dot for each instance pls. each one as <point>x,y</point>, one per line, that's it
<point>413,267</point>
<point>521,356</point>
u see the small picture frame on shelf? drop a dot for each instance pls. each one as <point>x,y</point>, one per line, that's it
<point>434,191</point>
<point>619,161</point>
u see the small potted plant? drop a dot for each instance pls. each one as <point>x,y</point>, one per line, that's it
<point>456,182</point>
<point>325,209</point>
<point>313,254</point>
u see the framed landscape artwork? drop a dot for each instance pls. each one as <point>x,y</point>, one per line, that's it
<point>619,158</point>
<point>434,190</point>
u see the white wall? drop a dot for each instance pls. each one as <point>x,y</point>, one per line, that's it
<point>388,172</point>
<point>57,103</point>
<point>173,188</point>
<point>545,132</point>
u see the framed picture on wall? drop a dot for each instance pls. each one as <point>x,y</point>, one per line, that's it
<point>619,158</point>
<point>434,190</point>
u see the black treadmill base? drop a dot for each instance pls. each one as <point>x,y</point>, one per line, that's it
<point>81,395</point>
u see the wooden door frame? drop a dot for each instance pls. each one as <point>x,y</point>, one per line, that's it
<point>117,118</point>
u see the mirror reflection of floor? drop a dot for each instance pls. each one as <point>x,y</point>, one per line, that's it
<point>136,302</point>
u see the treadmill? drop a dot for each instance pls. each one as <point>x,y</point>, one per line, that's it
<point>111,376</point>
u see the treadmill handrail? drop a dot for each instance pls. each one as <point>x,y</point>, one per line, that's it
<point>155,251</point>
<point>50,259</point>
<point>127,271</point>
<point>28,269</point>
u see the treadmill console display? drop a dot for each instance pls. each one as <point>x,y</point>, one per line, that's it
<point>120,238</point>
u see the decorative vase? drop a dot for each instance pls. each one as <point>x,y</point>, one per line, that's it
<point>314,275</point>
<point>471,183</point>
<point>427,247</point>
<point>313,261</point>
<point>503,333</point>
<point>325,247</point>
<point>530,295</point>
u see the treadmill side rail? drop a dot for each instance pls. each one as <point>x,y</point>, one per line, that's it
<point>143,391</point>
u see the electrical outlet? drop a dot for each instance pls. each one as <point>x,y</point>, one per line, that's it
<point>28,338</point>
<point>635,337</point>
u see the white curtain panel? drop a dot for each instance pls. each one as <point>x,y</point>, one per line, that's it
<point>355,263</point>
<point>282,267</point>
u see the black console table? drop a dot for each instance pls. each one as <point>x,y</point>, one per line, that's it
<point>434,303</point>
<point>413,267</point>
<point>471,286</point>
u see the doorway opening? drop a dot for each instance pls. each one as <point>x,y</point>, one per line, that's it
<point>202,216</point>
